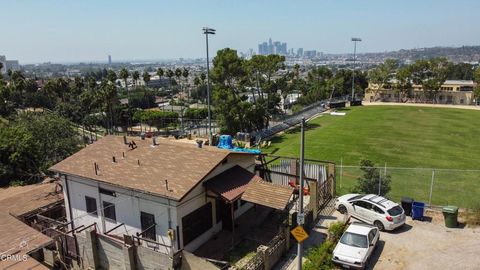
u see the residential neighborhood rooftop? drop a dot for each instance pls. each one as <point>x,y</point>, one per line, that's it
<point>17,237</point>
<point>145,167</point>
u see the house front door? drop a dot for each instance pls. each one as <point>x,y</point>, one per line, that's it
<point>224,210</point>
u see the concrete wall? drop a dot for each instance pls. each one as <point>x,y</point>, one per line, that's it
<point>101,252</point>
<point>110,253</point>
<point>147,259</point>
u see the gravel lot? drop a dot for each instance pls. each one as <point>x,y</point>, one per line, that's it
<point>428,245</point>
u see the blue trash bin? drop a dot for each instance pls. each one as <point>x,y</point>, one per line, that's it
<point>417,210</point>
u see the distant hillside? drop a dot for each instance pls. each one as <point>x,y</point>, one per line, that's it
<point>454,54</point>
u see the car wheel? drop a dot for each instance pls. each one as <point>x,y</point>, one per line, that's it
<point>342,209</point>
<point>379,225</point>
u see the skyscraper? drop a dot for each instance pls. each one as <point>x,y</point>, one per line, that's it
<point>109,59</point>
<point>300,52</point>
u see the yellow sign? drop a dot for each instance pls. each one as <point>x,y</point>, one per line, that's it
<point>299,233</point>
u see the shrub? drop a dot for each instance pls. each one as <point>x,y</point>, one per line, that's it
<point>320,258</point>
<point>368,183</point>
<point>336,230</point>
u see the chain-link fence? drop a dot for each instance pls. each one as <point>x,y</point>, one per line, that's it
<point>433,186</point>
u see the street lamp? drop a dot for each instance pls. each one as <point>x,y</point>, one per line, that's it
<point>355,40</point>
<point>208,31</point>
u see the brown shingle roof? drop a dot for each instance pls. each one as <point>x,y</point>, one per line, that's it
<point>267,194</point>
<point>183,165</point>
<point>16,236</point>
<point>231,183</point>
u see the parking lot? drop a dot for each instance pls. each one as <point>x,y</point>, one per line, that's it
<point>428,245</point>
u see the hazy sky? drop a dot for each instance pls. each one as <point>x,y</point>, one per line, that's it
<point>89,30</point>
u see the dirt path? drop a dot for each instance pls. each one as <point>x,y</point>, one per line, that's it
<point>429,245</point>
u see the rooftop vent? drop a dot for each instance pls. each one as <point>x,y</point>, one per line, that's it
<point>132,145</point>
<point>154,142</point>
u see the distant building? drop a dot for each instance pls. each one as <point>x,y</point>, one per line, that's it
<point>300,52</point>
<point>109,60</point>
<point>3,60</point>
<point>310,54</point>
<point>13,65</point>
<point>457,92</point>
<point>275,47</point>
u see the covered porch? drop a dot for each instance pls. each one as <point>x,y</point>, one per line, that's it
<point>251,211</point>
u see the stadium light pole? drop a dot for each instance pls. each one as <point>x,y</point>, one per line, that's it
<point>355,40</point>
<point>208,31</point>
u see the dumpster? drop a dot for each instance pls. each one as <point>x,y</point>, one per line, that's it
<point>417,210</point>
<point>450,213</point>
<point>407,205</point>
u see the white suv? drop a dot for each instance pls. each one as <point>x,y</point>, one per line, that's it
<point>372,209</point>
<point>356,246</point>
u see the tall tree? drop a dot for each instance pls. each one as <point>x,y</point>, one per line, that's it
<point>25,156</point>
<point>124,75</point>
<point>430,74</point>
<point>382,75</point>
<point>146,77</point>
<point>135,77</point>
<point>170,75</point>
<point>111,76</point>
<point>403,83</point>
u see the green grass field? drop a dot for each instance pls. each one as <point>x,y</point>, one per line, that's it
<point>402,137</point>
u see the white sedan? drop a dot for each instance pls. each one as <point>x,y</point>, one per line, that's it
<point>356,246</point>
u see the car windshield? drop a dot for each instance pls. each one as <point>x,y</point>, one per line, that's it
<point>356,197</point>
<point>355,240</point>
<point>395,211</point>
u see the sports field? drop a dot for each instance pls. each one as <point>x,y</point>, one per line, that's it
<point>403,137</point>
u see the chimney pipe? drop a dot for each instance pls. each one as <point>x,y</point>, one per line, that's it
<point>95,165</point>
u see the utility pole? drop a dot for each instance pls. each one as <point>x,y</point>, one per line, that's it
<point>355,40</point>
<point>207,31</point>
<point>300,217</point>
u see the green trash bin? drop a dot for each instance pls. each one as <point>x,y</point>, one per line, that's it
<point>450,213</point>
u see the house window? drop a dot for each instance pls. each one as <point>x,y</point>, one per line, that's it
<point>107,192</point>
<point>196,223</point>
<point>91,205</point>
<point>148,226</point>
<point>109,211</point>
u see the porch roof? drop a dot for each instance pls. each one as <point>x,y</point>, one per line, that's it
<point>231,183</point>
<point>238,182</point>
<point>267,194</point>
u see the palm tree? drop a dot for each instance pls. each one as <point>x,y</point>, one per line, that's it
<point>185,73</point>
<point>170,74</point>
<point>124,75</point>
<point>160,73</point>
<point>146,77</point>
<point>135,76</point>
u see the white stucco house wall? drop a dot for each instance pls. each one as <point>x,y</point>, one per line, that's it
<point>126,185</point>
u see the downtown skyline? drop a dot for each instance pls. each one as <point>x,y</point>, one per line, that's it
<point>89,31</point>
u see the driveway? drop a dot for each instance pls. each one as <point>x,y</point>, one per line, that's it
<point>428,245</point>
